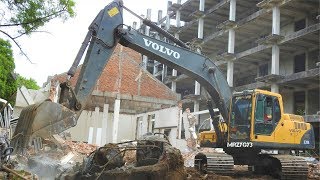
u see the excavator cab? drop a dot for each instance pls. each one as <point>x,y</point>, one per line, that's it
<point>240,117</point>
<point>253,113</point>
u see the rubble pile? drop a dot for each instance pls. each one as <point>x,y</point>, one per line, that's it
<point>314,170</point>
<point>154,159</point>
<point>56,156</point>
<point>80,147</point>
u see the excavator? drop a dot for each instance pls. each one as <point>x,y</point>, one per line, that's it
<point>253,120</point>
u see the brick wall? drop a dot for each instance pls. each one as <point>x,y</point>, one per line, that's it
<point>123,74</point>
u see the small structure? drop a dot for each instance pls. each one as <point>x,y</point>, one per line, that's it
<point>126,103</point>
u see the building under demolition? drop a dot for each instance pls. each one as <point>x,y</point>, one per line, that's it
<point>265,44</point>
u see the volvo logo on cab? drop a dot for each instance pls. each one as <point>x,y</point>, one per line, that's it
<point>161,48</point>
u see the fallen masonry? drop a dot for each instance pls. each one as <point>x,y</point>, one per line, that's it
<point>155,159</point>
<point>151,157</point>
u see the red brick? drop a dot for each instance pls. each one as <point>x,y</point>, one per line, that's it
<point>130,69</point>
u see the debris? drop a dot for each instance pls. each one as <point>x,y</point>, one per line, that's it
<point>155,159</point>
<point>314,170</point>
<point>81,147</point>
<point>67,158</point>
<point>5,168</point>
<point>58,139</point>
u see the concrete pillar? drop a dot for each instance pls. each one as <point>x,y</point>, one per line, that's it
<point>155,63</point>
<point>200,28</point>
<point>180,124</point>
<point>275,59</point>
<point>201,21</point>
<point>275,66</point>
<point>230,73</point>
<point>307,61</point>
<point>232,12</point>
<point>306,102</point>
<point>95,125</point>
<point>274,88</point>
<point>201,5</point>
<point>164,72</point>
<point>176,35</point>
<point>116,115</point>
<point>275,47</point>
<point>159,16</point>
<point>147,32</point>
<point>141,23</point>
<point>276,20</point>
<point>231,43</point>
<point>174,83</point>
<point>148,17</point>
<point>196,88</point>
<point>104,135</point>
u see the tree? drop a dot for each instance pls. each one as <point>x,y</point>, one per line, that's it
<point>28,83</point>
<point>26,16</point>
<point>8,84</point>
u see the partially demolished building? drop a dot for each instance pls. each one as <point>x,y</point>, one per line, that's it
<point>266,44</point>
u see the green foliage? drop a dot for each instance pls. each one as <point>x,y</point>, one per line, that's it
<point>29,15</point>
<point>28,83</point>
<point>8,84</point>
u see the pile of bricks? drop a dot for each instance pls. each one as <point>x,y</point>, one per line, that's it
<point>81,147</point>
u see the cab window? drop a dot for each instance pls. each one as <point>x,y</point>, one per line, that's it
<point>267,114</point>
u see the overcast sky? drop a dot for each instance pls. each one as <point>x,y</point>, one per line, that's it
<point>54,53</point>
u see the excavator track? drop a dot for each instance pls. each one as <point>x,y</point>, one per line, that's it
<point>293,167</point>
<point>218,163</point>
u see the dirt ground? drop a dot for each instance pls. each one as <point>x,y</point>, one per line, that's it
<point>240,173</point>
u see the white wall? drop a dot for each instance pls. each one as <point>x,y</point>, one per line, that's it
<point>164,119</point>
<point>167,117</point>
<point>94,119</point>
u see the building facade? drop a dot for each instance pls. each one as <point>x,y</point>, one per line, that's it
<point>266,44</point>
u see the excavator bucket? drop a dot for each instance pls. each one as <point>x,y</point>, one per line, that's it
<point>41,120</point>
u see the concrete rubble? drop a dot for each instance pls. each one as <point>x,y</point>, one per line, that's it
<point>314,170</point>
<point>151,157</point>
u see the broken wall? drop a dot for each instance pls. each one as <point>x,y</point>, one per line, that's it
<point>90,129</point>
<point>26,97</point>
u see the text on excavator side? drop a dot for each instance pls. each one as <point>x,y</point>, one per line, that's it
<point>161,48</point>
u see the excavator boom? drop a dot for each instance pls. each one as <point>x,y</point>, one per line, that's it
<point>105,32</point>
